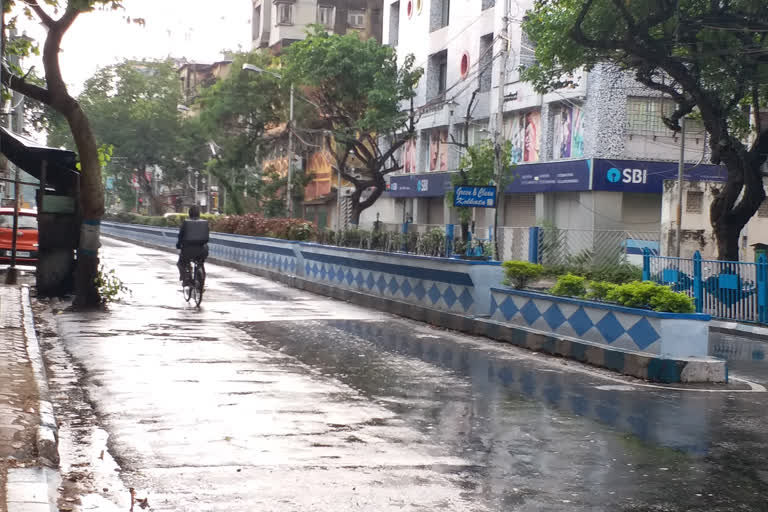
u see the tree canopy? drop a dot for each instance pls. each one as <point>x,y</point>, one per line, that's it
<point>361,93</point>
<point>236,112</point>
<point>710,57</point>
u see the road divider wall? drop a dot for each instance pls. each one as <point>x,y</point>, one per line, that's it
<point>463,294</point>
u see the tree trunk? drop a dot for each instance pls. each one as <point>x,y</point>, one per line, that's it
<point>91,209</point>
<point>737,202</point>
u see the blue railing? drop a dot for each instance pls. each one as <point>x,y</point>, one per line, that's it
<point>731,290</point>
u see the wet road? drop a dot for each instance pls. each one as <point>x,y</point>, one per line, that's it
<point>269,398</point>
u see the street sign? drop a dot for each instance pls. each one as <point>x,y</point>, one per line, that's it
<point>474,197</point>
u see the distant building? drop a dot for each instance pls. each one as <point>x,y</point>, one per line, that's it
<point>194,76</point>
<point>278,23</point>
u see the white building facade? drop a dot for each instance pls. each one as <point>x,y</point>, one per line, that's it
<point>593,156</point>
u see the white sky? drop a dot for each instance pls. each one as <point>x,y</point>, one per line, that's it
<point>196,29</point>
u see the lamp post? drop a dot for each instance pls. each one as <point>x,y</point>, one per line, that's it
<point>289,198</point>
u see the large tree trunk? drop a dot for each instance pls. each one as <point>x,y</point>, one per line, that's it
<point>738,201</point>
<point>91,209</point>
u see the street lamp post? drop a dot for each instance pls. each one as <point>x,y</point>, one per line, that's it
<point>289,198</point>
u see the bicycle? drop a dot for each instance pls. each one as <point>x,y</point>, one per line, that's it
<point>194,291</point>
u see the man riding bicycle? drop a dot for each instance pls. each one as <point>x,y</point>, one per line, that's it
<point>193,242</point>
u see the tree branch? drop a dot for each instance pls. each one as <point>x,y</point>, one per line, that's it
<point>21,86</point>
<point>46,20</point>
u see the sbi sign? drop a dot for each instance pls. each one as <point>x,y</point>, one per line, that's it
<point>614,175</point>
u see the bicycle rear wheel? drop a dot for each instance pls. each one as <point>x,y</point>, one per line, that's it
<point>198,285</point>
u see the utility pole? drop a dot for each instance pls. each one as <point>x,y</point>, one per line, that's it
<point>498,130</point>
<point>289,196</point>
<point>680,168</point>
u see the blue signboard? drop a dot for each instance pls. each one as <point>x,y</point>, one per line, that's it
<point>474,197</point>
<point>420,185</point>
<point>647,177</point>
<point>570,175</point>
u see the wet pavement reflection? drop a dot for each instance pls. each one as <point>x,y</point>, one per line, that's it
<point>269,398</point>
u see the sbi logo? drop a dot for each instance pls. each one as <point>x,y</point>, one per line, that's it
<point>627,176</point>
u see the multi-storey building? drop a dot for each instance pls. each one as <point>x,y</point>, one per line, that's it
<point>278,23</point>
<point>591,156</point>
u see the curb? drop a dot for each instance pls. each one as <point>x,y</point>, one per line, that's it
<point>32,490</point>
<point>753,332</point>
<point>644,366</point>
<point>47,435</point>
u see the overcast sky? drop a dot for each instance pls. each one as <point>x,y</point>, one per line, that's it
<point>196,29</point>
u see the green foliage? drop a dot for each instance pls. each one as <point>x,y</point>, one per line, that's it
<point>650,295</point>
<point>599,290</point>
<point>359,90</point>
<point>569,285</point>
<point>110,287</point>
<point>520,273</point>
<point>616,273</point>
<point>235,113</point>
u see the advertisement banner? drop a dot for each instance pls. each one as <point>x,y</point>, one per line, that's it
<point>474,197</point>
<point>420,185</point>
<point>568,176</point>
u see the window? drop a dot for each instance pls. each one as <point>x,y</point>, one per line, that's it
<point>256,23</point>
<point>440,14</point>
<point>763,210</point>
<point>487,4</point>
<point>527,51</point>
<point>485,62</point>
<point>356,19</point>
<point>694,201</point>
<point>437,74</point>
<point>645,117</point>
<point>394,24</point>
<point>326,16</point>
<point>284,14</point>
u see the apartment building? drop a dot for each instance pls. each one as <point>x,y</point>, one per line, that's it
<point>278,23</point>
<point>592,156</point>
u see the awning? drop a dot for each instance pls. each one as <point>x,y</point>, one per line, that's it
<point>27,154</point>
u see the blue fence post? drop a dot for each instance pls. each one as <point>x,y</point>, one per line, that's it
<point>698,296</point>
<point>646,264</point>
<point>448,240</point>
<point>533,244</point>
<point>762,289</point>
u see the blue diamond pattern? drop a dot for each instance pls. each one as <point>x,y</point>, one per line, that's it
<point>419,291</point>
<point>610,328</point>
<point>554,317</point>
<point>530,312</point>
<point>370,282</point>
<point>350,277</point>
<point>406,288</point>
<point>315,270</point>
<point>449,296</point>
<point>360,279</point>
<point>323,273</point>
<point>494,306</point>
<point>381,284</point>
<point>307,269</point>
<point>340,275</point>
<point>643,333</point>
<point>508,308</point>
<point>466,299</point>
<point>434,294</point>
<point>332,274</point>
<point>393,286</point>
<point>580,321</point>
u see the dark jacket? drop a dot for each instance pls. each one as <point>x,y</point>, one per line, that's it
<point>193,233</point>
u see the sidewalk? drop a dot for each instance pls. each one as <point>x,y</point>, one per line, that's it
<point>27,428</point>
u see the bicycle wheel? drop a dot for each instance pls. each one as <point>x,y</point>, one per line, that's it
<point>187,290</point>
<point>198,285</point>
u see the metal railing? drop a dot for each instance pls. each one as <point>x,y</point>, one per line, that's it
<point>594,248</point>
<point>731,290</point>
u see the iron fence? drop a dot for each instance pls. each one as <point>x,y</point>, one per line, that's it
<point>594,248</point>
<point>731,290</point>
<point>514,243</point>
